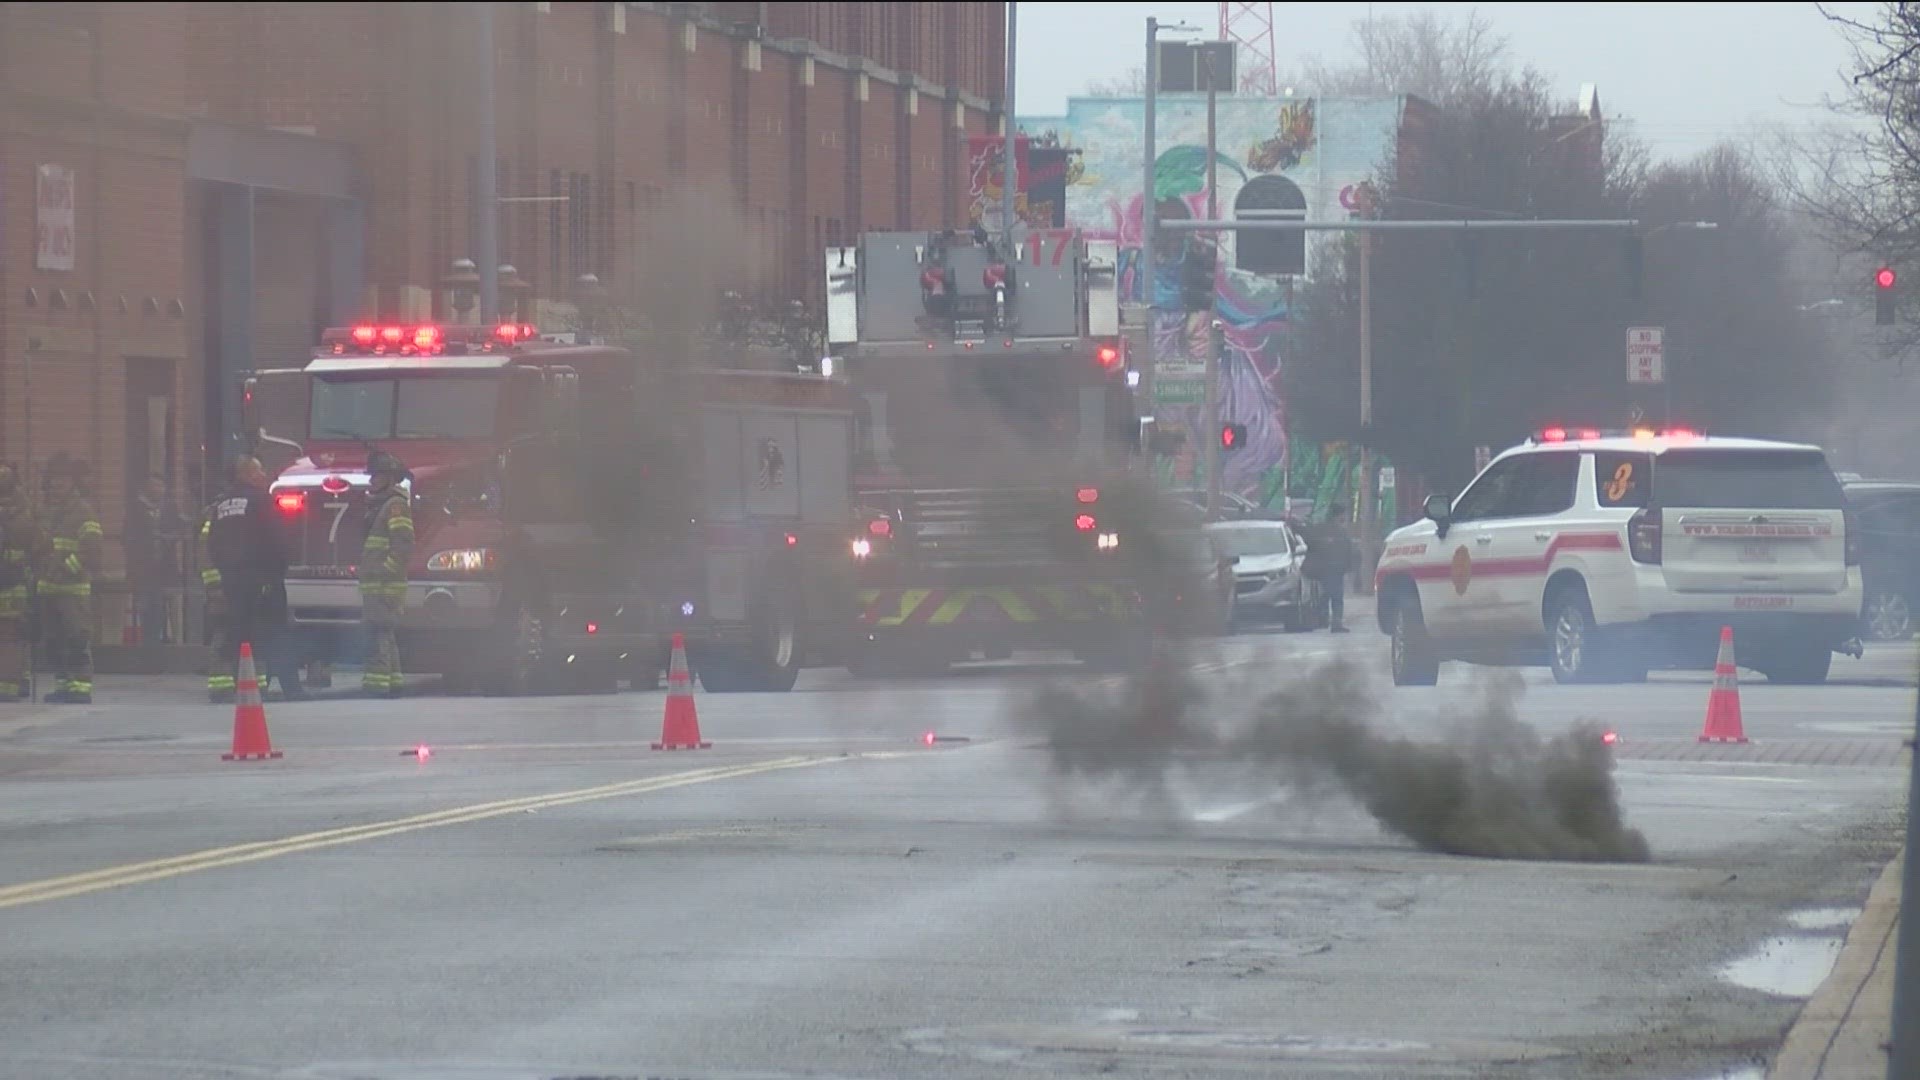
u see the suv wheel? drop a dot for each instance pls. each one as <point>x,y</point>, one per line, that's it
<point>1413,660</point>
<point>1576,650</point>
<point>1888,616</point>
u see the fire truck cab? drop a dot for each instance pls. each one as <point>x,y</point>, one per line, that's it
<point>574,506</point>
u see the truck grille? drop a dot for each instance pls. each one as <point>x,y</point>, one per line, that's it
<point>328,532</point>
<point>959,529</point>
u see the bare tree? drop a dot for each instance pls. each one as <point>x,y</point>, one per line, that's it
<point>1445,62</point>
<point>1480,338</point>
<point>1860,182</point>
<point>1131,83</point>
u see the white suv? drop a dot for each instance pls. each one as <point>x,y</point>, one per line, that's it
<point>1612,554</point>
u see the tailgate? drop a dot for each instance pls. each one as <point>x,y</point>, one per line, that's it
<point>1743,521</point>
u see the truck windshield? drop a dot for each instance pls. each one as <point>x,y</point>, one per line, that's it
<point>428,407</point>
<point>931,420</point>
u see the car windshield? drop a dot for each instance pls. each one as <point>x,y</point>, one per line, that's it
<point>1246,541</point>
<point>1746,479</point>
<point>428,407</point>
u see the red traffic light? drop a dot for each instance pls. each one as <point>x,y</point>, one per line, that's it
<point>1885,278</point>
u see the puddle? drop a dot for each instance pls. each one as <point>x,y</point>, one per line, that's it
<point>1792,967</point>
<point>1826,918</point>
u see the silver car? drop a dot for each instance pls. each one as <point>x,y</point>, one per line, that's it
<point>1268,578</point>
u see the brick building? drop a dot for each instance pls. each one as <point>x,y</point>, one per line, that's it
<point>190,191</point>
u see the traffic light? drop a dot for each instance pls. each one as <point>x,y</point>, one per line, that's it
<point>1635,266</point>
<point>1884,279</point>
<point>1233,436</point>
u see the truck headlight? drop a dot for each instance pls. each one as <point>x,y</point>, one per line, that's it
<point>462,561</point>
<point>862,547</point>
<point>1107,541</point>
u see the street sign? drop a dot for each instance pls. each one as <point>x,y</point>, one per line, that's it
<point>1180,391</point>
<point>1646,354</point>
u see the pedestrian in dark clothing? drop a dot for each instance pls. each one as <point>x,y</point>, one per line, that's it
<point>248,548</point>
<point>1329,559</point>
<point>154,531</point>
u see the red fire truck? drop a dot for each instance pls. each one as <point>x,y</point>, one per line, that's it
<point>1001,485</point>
<point>574,506</point>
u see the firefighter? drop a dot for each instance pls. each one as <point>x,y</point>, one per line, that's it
<point>220,680</point>
<point>17,545</point>
<point>383,570</point>
<point>69,555</point>
<point>249,556</point>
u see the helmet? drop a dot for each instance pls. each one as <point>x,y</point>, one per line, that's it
<point>381,463</point>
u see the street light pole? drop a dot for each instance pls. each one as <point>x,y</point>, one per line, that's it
<point>1145,270</point>
<point>1216,337</point>
<point>1369,510</point>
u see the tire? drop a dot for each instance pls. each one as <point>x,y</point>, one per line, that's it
<point>1579,651</point>
<point>1572,644</point>
<point>1413,661</point>
<point>1886,616</point>
<point>1804,666</point>
<point>770,664</point>
<point>518,660</point>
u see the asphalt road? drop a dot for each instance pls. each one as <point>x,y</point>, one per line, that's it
<point>822,894</point>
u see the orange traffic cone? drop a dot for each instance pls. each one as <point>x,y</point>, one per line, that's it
<point>1723,705</point>
<point>130,630</point>
<point>680,730</point>
<point>250,739</point>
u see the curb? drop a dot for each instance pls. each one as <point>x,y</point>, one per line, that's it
<point>1840,1033</point>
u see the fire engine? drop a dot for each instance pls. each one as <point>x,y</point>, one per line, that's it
<point>997,448</point>
<point>574,505</point>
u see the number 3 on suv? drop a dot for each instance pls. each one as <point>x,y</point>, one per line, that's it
<point>1608,555</point>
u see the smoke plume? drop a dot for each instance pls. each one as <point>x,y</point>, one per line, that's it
<point>1489,786</point>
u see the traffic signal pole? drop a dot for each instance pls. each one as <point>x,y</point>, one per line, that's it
<point>1216,337</point>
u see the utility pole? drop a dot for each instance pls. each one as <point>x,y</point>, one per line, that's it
<point>485,183</point>
<point>1145,270</point>
<point>1010,166</point>
<point>1364,488</point>
<point>1216,338</point>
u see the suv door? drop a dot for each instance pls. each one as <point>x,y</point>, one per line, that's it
<point>1464,599</point>
<point>1764,521</point>
<point>1520,557</point>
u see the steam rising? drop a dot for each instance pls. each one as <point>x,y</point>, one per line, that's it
<point>1489,787</point>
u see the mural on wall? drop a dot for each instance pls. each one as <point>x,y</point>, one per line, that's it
<point>1043,169</point>
<point>1275,158</point>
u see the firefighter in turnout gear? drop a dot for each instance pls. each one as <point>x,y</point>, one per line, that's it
<point>220,676</point>
<point>69,555</point>
<point>248,554</point>
<point>17,545</point>
<point>383,570</point>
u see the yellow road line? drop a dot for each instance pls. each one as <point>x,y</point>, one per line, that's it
<point>114,877</point>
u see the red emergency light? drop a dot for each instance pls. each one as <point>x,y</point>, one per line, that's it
<point>290,502</point>
<point>515,332</point>
<point>335,485</point>
<point>1085,523</point>
<point>880,527</point>
<point>1109,357</point>
<point>1087,495</point>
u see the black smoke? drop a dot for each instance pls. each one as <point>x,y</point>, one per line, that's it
<point>1485,785</point>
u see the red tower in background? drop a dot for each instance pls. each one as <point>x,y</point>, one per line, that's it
<point>1251,27</point>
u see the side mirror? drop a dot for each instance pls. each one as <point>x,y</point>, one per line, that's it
<point>1439,508</point>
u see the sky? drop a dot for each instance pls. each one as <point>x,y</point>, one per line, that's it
<point>1675,70</point>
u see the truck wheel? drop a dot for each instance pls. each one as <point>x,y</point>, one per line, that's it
<point>519,654</point>
<point>771,663</point>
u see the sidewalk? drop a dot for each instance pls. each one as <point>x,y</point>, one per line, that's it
<point>1843,1031</point>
